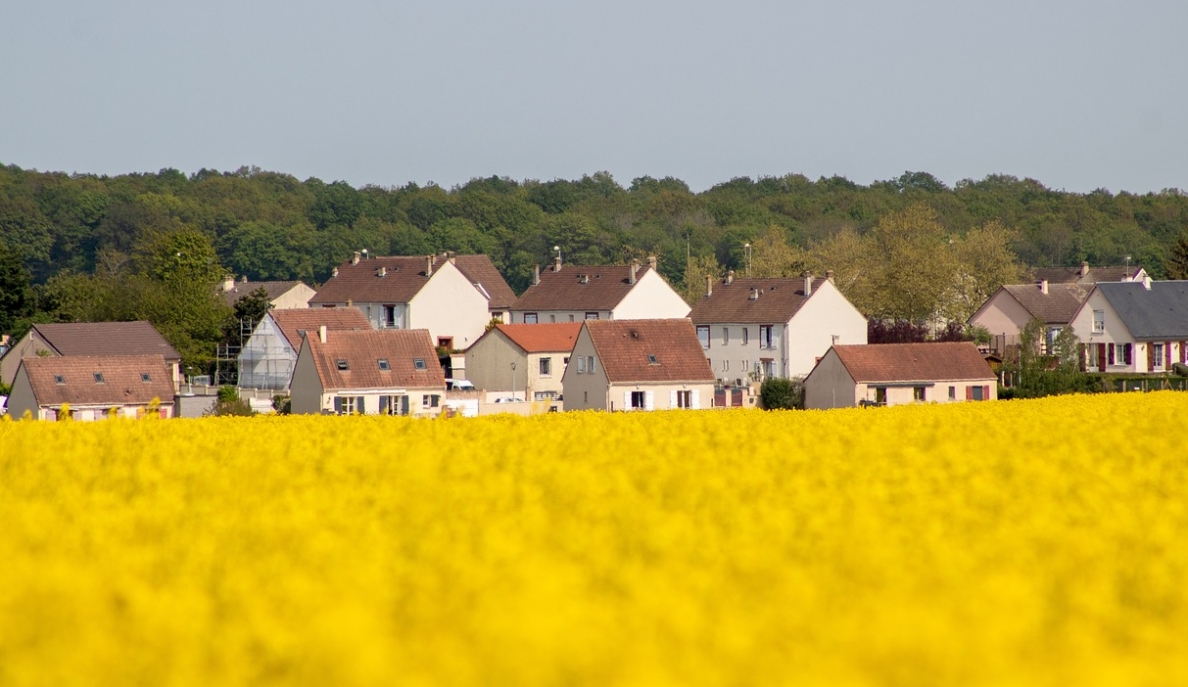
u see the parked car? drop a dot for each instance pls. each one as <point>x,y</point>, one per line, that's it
<point>459,385</point>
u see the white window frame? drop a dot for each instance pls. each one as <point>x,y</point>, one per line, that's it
<point>530,318</point>
<point>546,367</point>
<point>703,336</point>
<point>1099,321</point>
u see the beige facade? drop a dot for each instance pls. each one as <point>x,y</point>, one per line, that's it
<point>310,397</point>
<point>1002,315</point>
<point>296,297</point>
<point>29,346</point>
<point>830,385</point>
<point>497,364</point>
<point>649,298</point>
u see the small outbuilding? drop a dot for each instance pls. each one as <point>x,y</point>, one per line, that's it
<point>896,374</point>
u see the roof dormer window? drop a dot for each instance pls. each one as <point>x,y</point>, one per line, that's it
<point>343,365</point>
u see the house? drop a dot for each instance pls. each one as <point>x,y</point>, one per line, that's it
<point>1012,307</point>
<point>92,387</point>
<point>762,328</point>
<point>267,358</point>
<point>895,374</point>
<point>1134,327</point>
<point>573,293</point>
<point>91,339</point>
<point>527,359</point>
<point>283,295</point>
<point>486,278</point>
<point>404,292</point>
<point>386,372</point>
<point>1087,276</point>
<point>653,364</point>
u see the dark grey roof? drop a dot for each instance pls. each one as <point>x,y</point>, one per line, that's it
<point>1158,313</point>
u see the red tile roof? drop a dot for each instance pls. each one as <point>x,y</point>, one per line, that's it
<point>292,322</point>
<point>362,351</point>
<point>123,383</point>
<point>541,338</point>
<point>579,287</point>
<point>404,276</point>
<point>624,347</point>
<point>914,362</point>
<point>106,338</point>
<point>777,301</point>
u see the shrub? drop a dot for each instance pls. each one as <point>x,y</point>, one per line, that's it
<point>781,394</point>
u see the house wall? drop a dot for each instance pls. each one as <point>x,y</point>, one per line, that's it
<point>296,297</point>
<point>488,364</point>
<point>937,393</point>
<point>1002,314</point>
<point>449,306</point>
<point>305,392</point>
<point>21,398</point>
<point>731,359</point>
<point>28,347</point>
<point>551,316</point>
<point>542,387</point>
<point>418,403</point>
<point>585,391</point>
<point>661,395</point>
<point>651,298</point>
<point>267,359</point>
<point>1115,333</point>
<point>830,385</point>
<point>825,319</point>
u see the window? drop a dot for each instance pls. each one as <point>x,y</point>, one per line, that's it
<point>725,365</point>
<point>348,405</point>
<point>446,342</point>
<point>767,336</point>
<point>684,399</point>
<point>99,378</point>
<point>393,405</point>
<point>546,367</point>
<point>383,364</point>
<point>652,360</point>
<point>591,316</point>
<point>571,318</point>
<point>703,336</point>
<point>431,400</point>
<point>1049,344</point>
<point>146,377</point>
<point>746,336</point>
<point>769,369</point>
<point>1099,320</point>
<point>725,335</point>
<point>418,363</point>
<point>59,379</point>
<point>529,318</point>
<point>975,393</point>
<point>639,400</point>
<point>881,395</point>
<point>590,363</point>
<point>565,361</point>
<point>581,364</point>
<point>744,365</point>
<point>1156,356</point>
<point>552,318</point>
<point>952,393</point>
<point>342,364</point>
<point>389,316</point>
<point>918,393</point>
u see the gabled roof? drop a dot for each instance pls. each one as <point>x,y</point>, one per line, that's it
<point>480,270</point>
<point>292,322</point>
<point>580,287</point>
<point>1158,313</point>
<point>542,338</point>
<point>106,338</point>
<point>624,347</point>
<point>1086,275</point>
<point>123,381</point>
<point>1057,306</point>
<point>777,301</point>
<point>362,352</point>
<point>275,289</point>
<point>914,362</point>
<point>404,277</point>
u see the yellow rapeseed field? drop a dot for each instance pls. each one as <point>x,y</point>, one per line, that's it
<point>1011,543</point>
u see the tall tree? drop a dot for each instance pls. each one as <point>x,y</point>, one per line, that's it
<point>15,298</point>
<point>1176,263</point>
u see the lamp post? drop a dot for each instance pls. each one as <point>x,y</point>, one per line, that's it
<point>513,375</point>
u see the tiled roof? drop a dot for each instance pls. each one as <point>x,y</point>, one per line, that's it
<point>777,301</point>
<point>579,287</point>
<point>275,289</point>
<point>293,321</point>
<point>1057,306</point>
<point>480,270</point>
<point>541,338</point>
<point>123,383</point>
<point>106,338</point>
<point>1090,276</point>
<point>362,351</point>
<point>914,362</point>
<point>624,347</point>
<point>1158,313</point>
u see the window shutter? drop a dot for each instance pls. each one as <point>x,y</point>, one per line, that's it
<point>1101,356</point>
<point>1150,356</point>
<point>986,392</point>
<point>672,399</point>
<point>1128,351</point>
<point>337,405</point>
<point>1111,361</point>
<point>360,406</point>
<point>696,404</point>
<point>969,393</point>
<point>649,403</point>
<point>626,400</point>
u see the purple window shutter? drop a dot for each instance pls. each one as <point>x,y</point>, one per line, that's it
<point>1128,351</point>
<point>1111,354</point>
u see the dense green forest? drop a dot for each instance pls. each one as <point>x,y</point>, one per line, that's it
<point>152,234</point>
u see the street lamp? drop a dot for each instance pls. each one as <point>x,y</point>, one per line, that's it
<point>513,375</point>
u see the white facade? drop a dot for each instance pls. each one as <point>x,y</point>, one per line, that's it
<point>1110,347</point>
<point>309,397</point>
<point>267,359</point>
<point>650,298</point>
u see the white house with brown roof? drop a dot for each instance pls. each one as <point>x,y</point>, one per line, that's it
<point>387,372</point>
<point>403,292</point>
<point>1134,327</point>
<point>772,327</point>
<point>92,387</point>
<point>282,295</point>
<point>896,374</point>
<point>573,293</point>
<point>269,355</point>
<point>527,359</point>
<point>637,365</point>
<point>90,339</point>
<point>1013,306</point>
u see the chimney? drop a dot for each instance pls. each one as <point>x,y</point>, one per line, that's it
<point>451,255</point>
<point>381,272</point>
<point>557,263</point>
<point>729,277</point>
<point>228,282</point>
<point>709,285</point>
<point>631,270</point>
<point>754,294</point>
<point>808,283</point>
<point>428,266</point>
<point>322,333</point>
<point>1147,282</point>
<point>829,275</point>
<point>334,272</point>
<point>1043,286</point>
<point>1084,269</point>
<point>243,279</point>
<point>652,262</point>
<point>355,258</point>
<point>535,275</point>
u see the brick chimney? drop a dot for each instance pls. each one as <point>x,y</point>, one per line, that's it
<point>355,258</point>
<point>428,266</point>
<point>652,262</point>
<point>729,277</point>
<point>631,270</point>
<point>808,283</point>
<point>381,272</point>
<point>334,272</point>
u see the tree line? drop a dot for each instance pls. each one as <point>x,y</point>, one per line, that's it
<point>910,247</point>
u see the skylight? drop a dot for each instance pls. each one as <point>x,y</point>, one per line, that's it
<point>99,378</point>
<point>146,377</point>
<point>342,364</point>
<point>419,363</point>
<point>59,379</point>
<point>383,364</point>
<point>652,360</point>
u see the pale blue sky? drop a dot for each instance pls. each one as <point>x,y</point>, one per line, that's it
<point>1078,94</point>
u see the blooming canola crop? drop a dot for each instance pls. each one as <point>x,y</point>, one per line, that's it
<point>1011,543</point>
